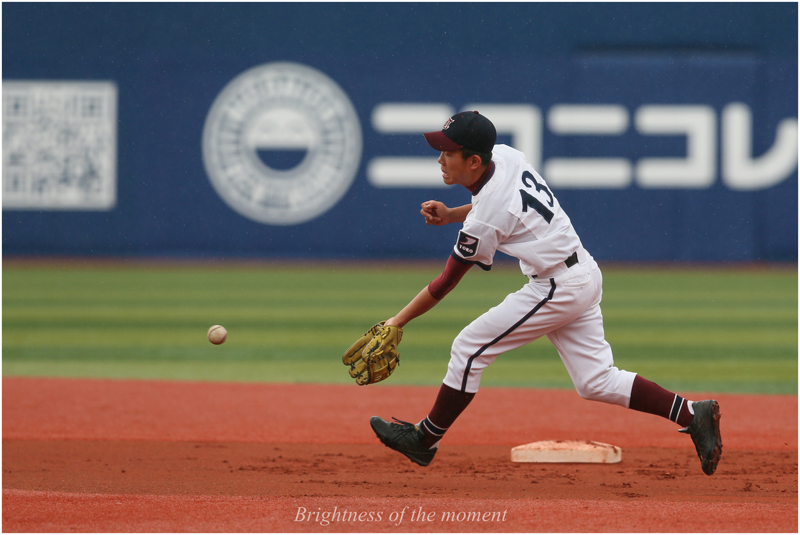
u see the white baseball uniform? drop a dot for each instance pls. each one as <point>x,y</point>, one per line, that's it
<point>515,212</point>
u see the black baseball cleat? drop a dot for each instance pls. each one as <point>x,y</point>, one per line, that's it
<point>403,437</point>
<point>704,431</point>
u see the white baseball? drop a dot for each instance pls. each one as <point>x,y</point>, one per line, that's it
<point>217,334</point>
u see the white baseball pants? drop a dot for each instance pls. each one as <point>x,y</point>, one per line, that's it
<point>565,308</point>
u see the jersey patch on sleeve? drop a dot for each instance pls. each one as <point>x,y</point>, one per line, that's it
<point>467,245</point>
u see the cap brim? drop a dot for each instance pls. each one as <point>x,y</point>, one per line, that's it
<point>441,142</point>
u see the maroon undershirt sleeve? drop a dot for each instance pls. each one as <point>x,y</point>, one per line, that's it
<point>453,271</point>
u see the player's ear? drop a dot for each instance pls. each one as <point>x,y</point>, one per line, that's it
<point>474,162</point>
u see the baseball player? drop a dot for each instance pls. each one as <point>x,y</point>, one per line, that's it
<point>514,211</point>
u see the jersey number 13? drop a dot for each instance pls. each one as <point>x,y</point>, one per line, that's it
<point>529,201</point>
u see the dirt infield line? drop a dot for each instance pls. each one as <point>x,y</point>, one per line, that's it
<point>255,412</point>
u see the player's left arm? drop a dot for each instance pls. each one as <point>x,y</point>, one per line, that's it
<point>418,306</point>
<point>430,296</point>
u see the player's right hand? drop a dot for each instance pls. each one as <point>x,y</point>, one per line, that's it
<point>435,213</point>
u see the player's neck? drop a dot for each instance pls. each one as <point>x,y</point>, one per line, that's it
<point>484,177</point>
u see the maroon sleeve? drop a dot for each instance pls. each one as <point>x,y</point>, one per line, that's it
<point>453,271</point>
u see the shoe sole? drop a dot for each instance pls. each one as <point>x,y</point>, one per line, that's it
<point>409,455</point>
<point>710,466</point>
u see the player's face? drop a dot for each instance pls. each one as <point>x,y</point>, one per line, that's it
<point>455,169</point>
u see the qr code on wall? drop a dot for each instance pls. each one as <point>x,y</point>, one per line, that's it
<point>59,145</point>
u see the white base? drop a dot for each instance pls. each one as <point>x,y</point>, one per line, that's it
<point>566,451</point>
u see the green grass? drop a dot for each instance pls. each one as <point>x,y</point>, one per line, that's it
<point>687,329</point>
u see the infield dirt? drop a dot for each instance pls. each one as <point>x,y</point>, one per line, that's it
<point>146,456</point>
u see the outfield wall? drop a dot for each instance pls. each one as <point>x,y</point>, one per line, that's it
<point>292,130</point>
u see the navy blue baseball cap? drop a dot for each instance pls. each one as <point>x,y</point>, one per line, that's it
<point>468,129</point>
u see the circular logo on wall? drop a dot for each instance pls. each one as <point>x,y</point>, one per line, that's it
<point>282,143</point>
